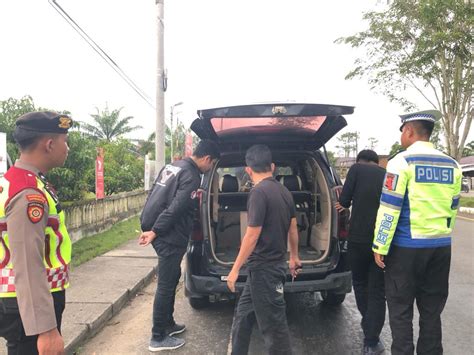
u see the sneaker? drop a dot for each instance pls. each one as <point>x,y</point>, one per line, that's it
<point>377,349</point>
<point>167,343</point>
<point>175,329</point>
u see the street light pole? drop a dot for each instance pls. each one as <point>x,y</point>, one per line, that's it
<point>160,91</point>
<point>171,128</point>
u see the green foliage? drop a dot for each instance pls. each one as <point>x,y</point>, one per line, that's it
<point>71,179</point>
<point>424,45</point>
<point>88,248</point>
<point>466,202</point>
<point>123,167</point>
<point>332,158</point>
<point>108,125</point>
<point>10,110</point>
<point>396,147</point>
<point>468,149</point>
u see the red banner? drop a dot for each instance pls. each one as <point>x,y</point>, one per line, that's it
<point>99,174</point>
<point>188,145</point>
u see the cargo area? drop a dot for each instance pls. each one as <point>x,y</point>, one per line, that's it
<point>228,192</point>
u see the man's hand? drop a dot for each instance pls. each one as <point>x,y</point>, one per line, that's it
<point>50,343</point>
<point>295,266</point>
<point>146,238</point>
<point>232,279</point>
<point>379,260</point>
<point>339,208</point>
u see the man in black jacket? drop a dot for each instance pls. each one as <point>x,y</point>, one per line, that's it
<point>362,188</point>
<point>166,222</point>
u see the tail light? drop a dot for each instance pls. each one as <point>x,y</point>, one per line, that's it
<point>197,234</point>
<point>342,218</point>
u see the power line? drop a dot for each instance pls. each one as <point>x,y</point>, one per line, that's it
<point>101,52</point>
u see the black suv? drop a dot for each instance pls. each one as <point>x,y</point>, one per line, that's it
<point>296,134</point>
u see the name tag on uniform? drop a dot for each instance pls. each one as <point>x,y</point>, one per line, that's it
<point>434,174</point>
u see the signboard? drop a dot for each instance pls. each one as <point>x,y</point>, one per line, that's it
<point>188,145</point>
<point>3,153</point>
<point>99,174</point>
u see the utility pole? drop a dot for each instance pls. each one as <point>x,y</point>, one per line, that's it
<point>160,90</point>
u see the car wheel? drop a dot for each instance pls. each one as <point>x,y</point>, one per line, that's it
<point>332,299</point>
<point>199,302</point>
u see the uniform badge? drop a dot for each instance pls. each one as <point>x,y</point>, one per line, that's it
<point>35,212</point>
<point>64,122</point>
<point>390,182</point>
<point>36,198</point>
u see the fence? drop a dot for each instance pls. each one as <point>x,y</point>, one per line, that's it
<point>89,217</point>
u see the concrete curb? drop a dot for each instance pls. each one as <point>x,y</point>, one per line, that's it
<point>466,210</point>
<point>95,325</point>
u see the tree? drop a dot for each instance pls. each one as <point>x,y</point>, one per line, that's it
<point>424,45</point>
<point>72,179</point>
<point>372,143</point>
<point>10,110</point>
<point>396,147</point>
<point>123,168</point>
<point>332,158</point>
<point>108,125</point>
<point>349,143</point>
<point>468,149</point>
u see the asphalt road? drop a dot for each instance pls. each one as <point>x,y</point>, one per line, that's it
<point>315,328</point>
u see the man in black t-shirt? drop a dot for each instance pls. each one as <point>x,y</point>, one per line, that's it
<point>362,188</point>
<point>271,223</point>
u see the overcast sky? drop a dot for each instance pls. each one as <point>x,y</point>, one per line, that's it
<point>217,52</point>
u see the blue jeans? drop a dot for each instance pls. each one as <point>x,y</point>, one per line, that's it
<point>169,272</point>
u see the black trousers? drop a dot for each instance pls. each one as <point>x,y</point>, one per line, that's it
<point>11,327</point>
<point>419,275</point>
<point>262,300</point>
<point>169,272</point>
<point>369,290</point>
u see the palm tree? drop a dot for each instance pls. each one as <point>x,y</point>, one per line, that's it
<point>108,125</point>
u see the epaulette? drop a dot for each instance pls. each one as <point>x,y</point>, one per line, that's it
<point>394,155</point>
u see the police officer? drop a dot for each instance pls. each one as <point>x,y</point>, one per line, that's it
<point>412,241</point>
<point>166,222</point>
<point>35,249</point>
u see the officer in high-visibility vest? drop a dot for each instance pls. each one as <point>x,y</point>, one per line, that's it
<point>412,240</point>
<point>35,249</point>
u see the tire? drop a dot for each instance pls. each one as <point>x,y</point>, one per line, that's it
<point>332,299</point>
<point>199,302</point>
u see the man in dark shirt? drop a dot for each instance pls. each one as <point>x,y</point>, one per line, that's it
<point>363,187</point>
<point>271,222</point>
<point>166,222</point>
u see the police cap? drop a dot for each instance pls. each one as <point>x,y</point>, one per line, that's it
<point>427,115</point>
<point>44,122</point>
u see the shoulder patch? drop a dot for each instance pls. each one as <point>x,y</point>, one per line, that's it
<point>35,211</point>
<point>36,198</point>
<point>390,182</point>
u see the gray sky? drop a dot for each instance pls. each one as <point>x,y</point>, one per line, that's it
<point>217,52</point>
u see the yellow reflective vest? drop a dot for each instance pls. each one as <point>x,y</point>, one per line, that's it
<point>419,200</point>
<point>57,252</point>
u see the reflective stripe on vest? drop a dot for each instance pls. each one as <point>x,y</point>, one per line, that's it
<point>57,251</point>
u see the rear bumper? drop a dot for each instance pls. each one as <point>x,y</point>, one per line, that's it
<point>196,286</point>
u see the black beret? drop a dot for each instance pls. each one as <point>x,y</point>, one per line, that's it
<point>44,122</point>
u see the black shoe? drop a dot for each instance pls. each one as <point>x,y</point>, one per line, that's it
<point>377,349</point>
<point>175,329</point>
<point>166,343</point>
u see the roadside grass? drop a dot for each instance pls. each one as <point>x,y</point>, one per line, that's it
<point>88,248</point>
<point>467,201</point>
